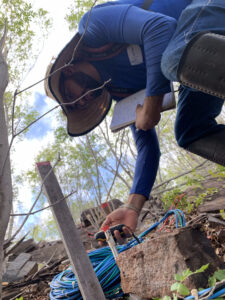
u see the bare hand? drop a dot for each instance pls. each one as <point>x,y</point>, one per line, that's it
<point>149,115</point>
<point>124,216</point>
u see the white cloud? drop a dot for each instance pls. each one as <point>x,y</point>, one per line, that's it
<point>23,160</point>
<point>26,150</point>
<point>23,157</point>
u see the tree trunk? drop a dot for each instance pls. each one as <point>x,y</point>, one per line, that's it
<point>5,170</point>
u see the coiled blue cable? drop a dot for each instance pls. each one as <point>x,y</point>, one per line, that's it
<point>65,286</point>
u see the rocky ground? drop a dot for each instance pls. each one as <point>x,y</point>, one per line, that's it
<point>45,260</point>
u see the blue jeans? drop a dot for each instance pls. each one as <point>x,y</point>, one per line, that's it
<point>200,15</point>
<point>196,111</point>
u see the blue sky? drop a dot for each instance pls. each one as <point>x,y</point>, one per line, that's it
<point>40,129</point>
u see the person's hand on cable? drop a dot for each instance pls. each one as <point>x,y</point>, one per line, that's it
<point>149,115</point>
<point>122,215</point>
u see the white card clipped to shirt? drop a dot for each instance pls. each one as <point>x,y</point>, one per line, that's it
<point>124,113</point>
<point>134,55</point>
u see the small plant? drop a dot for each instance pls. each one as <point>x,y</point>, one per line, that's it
<point>217,276</point>
<point>20,298</point>
<point>182,291</point>
<point>219,173</point>
<point>179,287</point>
<point>168,197</point>
<point>189,207</point>
<point>189,204</point>
<point>206,195</point>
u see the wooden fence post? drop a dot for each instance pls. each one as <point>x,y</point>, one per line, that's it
<point>89,285</point>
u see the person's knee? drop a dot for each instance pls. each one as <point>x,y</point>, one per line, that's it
<point>182,137</point>
<point>180,141</point>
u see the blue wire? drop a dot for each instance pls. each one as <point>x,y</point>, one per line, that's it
<point>217,294</point>
<point>65,286</point>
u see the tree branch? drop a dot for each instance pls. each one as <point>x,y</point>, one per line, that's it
<point>179,175</point>
<point>39,210</point>
<point>38,196</point>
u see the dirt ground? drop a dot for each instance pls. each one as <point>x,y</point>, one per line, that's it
<point>36,286</point>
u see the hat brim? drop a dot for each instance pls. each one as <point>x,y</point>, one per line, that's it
<point>79,121</point>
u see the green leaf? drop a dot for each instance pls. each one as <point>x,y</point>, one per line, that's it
<point>166,298</point>
<point>212,281</point>
<point>186,274</point>
<point>220,275</point>
<point>217,276</point>
<point>202,269</point>
<point>183,290</point>
<point>178,277</point>
<point>175,286</point>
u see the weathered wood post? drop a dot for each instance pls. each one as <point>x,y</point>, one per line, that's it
<point>87,280</point>
<point>5,169</point>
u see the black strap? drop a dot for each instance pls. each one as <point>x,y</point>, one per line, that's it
<point>120,92</point>
<point>102,53</point>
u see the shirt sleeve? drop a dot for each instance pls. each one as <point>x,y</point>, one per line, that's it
<point>132,25</point>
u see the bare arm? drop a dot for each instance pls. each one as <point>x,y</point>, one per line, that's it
<point>148,115</point>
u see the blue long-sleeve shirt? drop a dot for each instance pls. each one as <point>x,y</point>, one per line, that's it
<point>147,34</point>
<point>120,22</point>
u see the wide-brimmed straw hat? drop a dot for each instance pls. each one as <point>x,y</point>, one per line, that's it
<point>79,121</point>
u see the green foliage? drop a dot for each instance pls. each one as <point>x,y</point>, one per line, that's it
<point>38,232</point>
<point>181,290</point>
<point>179,287</point>
<point>20,298</point>
<point>217,276</point>
<point>218,173</point>
<point>76,11</point>
<point>194,180</point>
<point>24,25</point>
<point>187,273</point>
<point>222,213</point>
<point>87,167</point>
<point>169,197</point>
<point>205,195</point>
<point>26,31</point>
<point>192,202</point>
